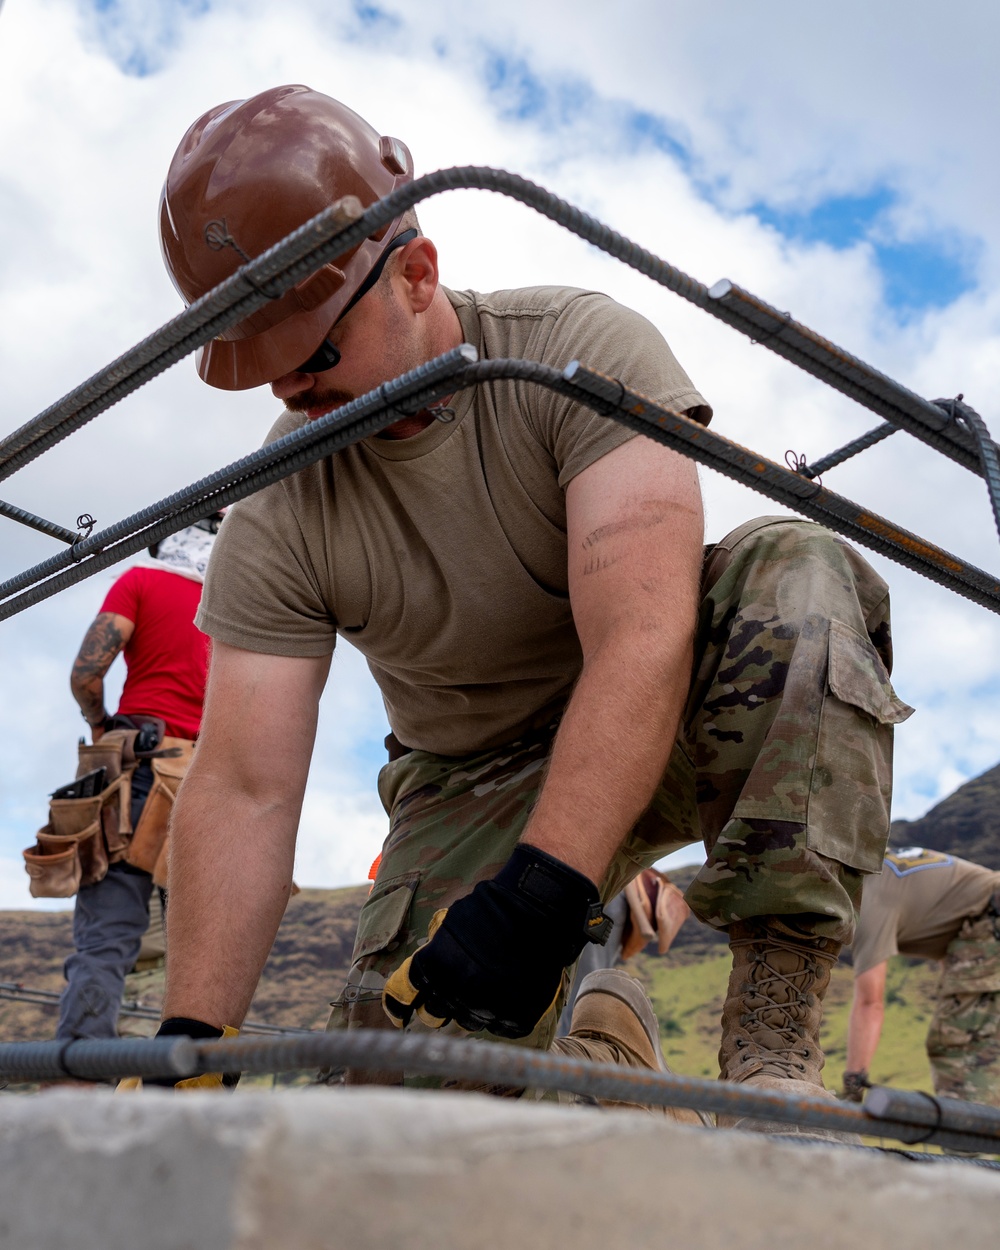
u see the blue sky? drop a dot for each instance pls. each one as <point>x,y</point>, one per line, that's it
<point>918,272</point>
<point>139,39</point>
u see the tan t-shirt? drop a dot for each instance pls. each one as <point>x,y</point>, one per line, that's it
<point>917,905</point>
<point>442,557</point>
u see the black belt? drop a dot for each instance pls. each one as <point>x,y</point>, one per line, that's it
<point>395,748</point>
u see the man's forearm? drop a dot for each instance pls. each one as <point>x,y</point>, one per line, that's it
<point>89,695</point>
<point>231,861</point>
<point>611,750</point>
<point>863,1033</point>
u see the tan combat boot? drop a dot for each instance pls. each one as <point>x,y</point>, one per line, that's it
<point>614,1022</point>
<point>771,1019</point>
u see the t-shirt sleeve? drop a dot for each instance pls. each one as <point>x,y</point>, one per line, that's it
<point>878,923</point>
<point>123,597</point>
<point>617,341</point>
<point>263,591</point>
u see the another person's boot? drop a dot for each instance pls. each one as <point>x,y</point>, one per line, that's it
<point>772,1014</point>
<point>614,1022</point>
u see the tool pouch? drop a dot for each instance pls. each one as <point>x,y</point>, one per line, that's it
<point>115,752</point>
<point>85,835</point>
<point>148,847</point>
<point>69,851</point>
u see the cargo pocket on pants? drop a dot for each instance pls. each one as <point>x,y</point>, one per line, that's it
<point>384,914</point>
<point>851,788</point>
<point>381,928</point>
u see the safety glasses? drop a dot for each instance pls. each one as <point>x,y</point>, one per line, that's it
<point>327,355</point>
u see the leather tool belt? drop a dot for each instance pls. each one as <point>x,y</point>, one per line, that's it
<point>90,826</point>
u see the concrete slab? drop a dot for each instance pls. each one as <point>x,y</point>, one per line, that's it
<point>367,1169</point>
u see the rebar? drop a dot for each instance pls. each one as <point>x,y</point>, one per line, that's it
<point>515,1067</point>
<point>13,513</point>
<point>455,371</point>
<point>335,231</point>
<point>252,286</point>
<point>787,487</point>
<point>93,1059</point>
<point>363,416</point>
<point>779,333</point>
<point>853,448</point>
<point>988,455</point>
<point>14,992</point>
<point>931,1112</point>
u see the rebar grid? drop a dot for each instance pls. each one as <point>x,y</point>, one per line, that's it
<point>454,371</point>
<point>339,228</point>
<point>962,437</point>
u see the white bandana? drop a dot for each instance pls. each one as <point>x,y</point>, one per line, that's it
<point>185,552</point>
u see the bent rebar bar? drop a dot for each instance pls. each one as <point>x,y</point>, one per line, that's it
<point>454,371</point>
<point>339,228</point>
<point>989,458</point>
<point>516,1067</point>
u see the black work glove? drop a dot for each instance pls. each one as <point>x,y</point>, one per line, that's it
<point>495,958</point>
<point>855,1084</point>
<point>182,1026</point>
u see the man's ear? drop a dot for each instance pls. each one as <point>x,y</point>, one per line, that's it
<point>418,269</point>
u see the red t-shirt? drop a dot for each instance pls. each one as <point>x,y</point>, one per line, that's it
<point>166,657</point>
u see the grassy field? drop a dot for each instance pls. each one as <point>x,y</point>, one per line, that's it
<point>688,997</point>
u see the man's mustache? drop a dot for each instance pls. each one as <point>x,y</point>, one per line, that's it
<point>318,399</point>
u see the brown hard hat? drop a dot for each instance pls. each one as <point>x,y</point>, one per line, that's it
<point>245,175</point>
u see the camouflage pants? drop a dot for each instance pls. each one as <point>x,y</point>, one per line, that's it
<point>963,1042</point>
<point>783,767</point>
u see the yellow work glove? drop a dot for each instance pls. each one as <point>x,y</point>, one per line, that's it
<point>207,1080</point>
<point>401,998</point>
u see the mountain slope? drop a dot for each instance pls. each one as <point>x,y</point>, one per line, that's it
<point>966,823</point>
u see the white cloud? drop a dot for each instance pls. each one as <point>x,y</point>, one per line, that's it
<point>786,107</point>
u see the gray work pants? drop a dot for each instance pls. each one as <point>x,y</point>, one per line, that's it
<point>109,921</point>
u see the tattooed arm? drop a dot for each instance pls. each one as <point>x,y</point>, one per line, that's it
<point>106,636</point>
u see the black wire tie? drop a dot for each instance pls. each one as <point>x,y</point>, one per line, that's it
<point>937,1123</point>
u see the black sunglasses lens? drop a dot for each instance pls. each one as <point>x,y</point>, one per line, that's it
<point>326,356</point>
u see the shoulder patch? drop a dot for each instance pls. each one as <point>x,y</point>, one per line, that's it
<point>909,859</point>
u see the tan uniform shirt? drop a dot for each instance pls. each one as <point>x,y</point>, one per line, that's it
<point>442,557</point>
<point>917,905</point>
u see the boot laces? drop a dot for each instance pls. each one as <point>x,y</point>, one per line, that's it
<point>778,1002</point>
